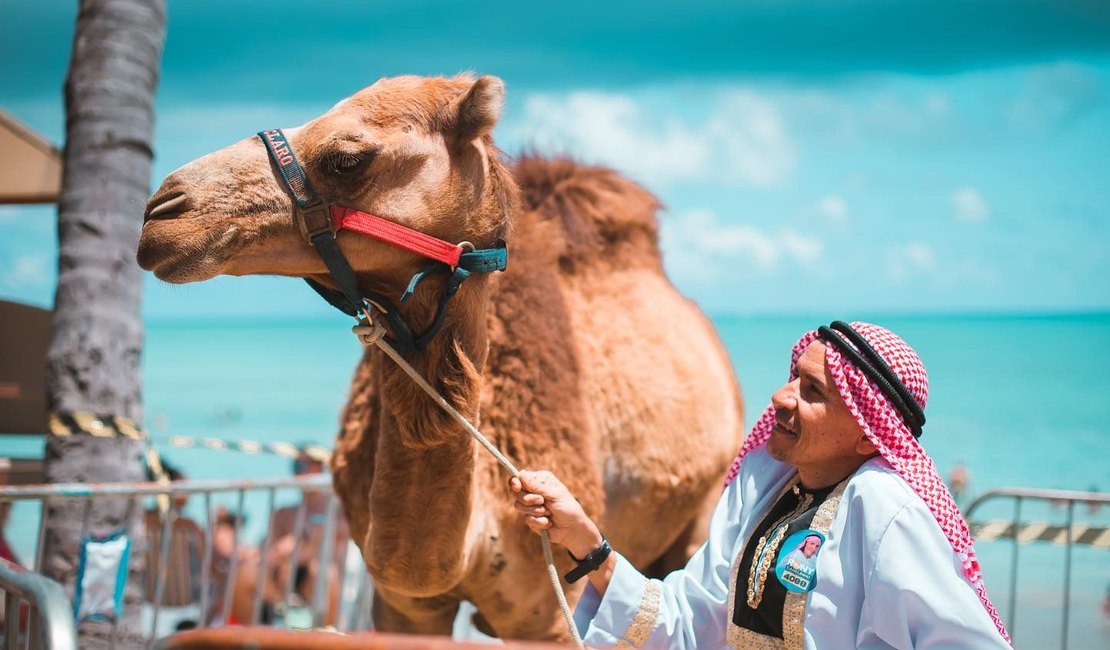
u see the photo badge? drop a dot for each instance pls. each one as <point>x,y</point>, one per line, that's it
<point>797,564</point>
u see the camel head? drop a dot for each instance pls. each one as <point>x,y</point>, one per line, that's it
<point>413,150</point>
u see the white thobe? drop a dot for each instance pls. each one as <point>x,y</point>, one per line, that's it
<point>887,577</point>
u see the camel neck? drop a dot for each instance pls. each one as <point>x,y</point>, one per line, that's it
<point>421,494</point>
<point>421,500</point>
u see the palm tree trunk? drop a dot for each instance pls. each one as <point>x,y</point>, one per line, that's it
<point>96,349</point>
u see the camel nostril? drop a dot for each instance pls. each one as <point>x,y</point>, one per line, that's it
<point>166,206</point>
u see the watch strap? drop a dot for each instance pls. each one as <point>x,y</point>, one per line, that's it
<point>591,562</point>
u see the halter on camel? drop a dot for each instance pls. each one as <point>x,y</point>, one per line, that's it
<point>318,221</point>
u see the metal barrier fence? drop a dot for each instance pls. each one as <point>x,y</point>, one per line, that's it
<point>339,589</point>
<point>49,620</point>
<point>1069,535</point>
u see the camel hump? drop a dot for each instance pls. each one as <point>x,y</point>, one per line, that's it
<point>601,212</point>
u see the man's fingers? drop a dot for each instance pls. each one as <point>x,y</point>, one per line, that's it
<point>535,511</point>
<point>529,499</point>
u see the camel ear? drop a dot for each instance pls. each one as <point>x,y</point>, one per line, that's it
<point>479,109</point>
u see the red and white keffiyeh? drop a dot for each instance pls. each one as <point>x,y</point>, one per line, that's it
<point>884,426</point>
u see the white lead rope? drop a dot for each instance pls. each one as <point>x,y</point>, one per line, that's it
<point>370,332</point>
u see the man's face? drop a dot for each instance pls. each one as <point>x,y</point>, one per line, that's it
<point>811,546</point>
<point>814,431</point>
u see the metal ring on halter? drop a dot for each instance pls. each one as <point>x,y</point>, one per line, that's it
<point>368,302</point>
<point>364,310</point>
<point>466,247</point>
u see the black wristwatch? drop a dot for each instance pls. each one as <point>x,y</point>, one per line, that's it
<point>591,562</point>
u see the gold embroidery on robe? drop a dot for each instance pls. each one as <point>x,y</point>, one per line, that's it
<point>644,622</point>
<point>794,608</point>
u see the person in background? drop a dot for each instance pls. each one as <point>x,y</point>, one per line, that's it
<point>8,554</point>
<point>284,522</point>
<point>6,551</point>
<point>292,560</point>
<point>226,545</point>
<point>958,480</point>
<point>835,454</point>
<point>181,567</point>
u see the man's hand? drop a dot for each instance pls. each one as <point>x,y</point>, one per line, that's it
<point>548,505</point>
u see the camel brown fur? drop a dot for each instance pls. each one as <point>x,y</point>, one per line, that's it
<point>581,358</point>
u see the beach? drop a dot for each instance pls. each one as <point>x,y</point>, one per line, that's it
<point>1018,400</point>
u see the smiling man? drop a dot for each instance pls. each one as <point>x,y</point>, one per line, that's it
<point>832,466</point>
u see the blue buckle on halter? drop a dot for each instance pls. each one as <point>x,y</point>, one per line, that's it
<point>486,260</point>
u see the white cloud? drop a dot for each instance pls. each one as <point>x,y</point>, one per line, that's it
<point>969,205</point>
<point>883,110</point>
<point>743,139</point>
<point>906,260</point>
<point>833,207</point>
<point>920,255</point>
<point>751,130</point>
<point>611,129</point>
<point>696,246</point>
<point>739,240</point>
<point>801,248</point>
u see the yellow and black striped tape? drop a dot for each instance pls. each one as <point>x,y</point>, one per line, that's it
<point>1082,534</point>
<point>315,452</point>
<point>71,423</point>
<point>68,423</point>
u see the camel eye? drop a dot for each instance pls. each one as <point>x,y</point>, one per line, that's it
<point>342,163</point>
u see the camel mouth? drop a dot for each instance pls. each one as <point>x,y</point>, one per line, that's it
<point>166,252</point>
<point>180,270</point>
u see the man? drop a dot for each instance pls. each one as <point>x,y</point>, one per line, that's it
<point>834,456</point>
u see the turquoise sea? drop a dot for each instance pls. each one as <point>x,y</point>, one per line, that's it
<point>1019,400</point>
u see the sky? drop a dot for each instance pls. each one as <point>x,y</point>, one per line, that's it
<point>833,157</point>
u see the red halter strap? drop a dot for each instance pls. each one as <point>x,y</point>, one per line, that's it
<point>395,234</point>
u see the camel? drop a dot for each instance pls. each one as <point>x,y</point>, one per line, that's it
<point>580,358</point>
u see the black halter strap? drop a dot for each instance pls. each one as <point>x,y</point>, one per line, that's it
<point>402,338</point>
<point>313,217</point>
<point>867,359</point>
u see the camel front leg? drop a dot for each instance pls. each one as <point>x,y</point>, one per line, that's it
<point>393,612</point>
